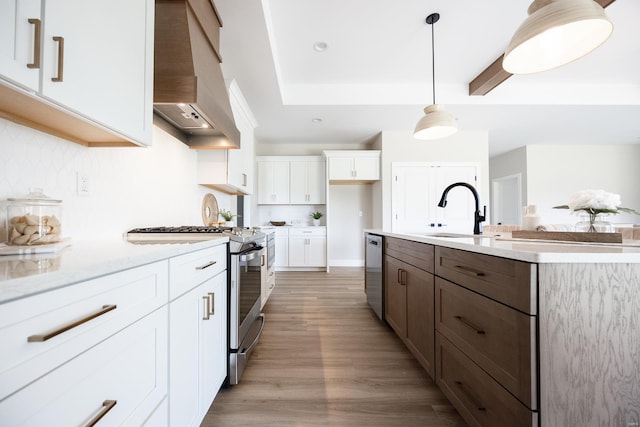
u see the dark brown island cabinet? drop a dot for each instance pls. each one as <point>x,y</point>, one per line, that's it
<point>470,320</point>
<point>529,336</point>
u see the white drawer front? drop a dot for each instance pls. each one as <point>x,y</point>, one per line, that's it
<point>315,231</point>
<point>130,368</point>
<point>189,270</point>
<point>134,293</point>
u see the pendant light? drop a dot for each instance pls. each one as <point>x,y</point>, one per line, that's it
<point>436,123</point>
<point>555,33</point>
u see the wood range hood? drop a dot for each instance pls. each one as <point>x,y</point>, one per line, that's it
<point>190,97</point>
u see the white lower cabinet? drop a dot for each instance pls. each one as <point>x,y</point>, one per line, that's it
<point>308,247</point>
<point>145,346</point>
<point>198,337</point>
<point>282,247</point>
<point>122,379</point>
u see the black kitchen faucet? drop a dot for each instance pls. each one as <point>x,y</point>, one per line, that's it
<point>478,218</point>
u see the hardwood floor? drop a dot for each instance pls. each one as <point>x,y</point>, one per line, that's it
<point>325,359</point>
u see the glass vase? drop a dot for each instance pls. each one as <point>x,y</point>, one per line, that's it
<point>594,223</point>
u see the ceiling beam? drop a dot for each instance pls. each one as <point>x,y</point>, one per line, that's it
<point>494,74</point>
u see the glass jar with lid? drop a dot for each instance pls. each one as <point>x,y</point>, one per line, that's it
<point>34,219</point>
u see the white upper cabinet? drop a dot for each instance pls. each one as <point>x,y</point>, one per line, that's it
<point>353,165</point>
<point>308,182</point>
<point>296,180</point>
<point>20,24</point>
<point>94,82</point>
<point>273,182</point>
<point>231,171</point>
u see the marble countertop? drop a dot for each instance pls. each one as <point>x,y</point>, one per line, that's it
<point>530,251</point>
<point>25,275</point>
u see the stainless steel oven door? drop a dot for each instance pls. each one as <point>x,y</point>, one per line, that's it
<point>245,320</point>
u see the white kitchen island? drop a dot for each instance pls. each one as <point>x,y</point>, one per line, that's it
<point>584,332</point>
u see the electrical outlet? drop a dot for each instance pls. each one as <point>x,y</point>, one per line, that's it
<point>82,184</point>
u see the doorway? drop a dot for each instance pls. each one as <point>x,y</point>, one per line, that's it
<point>506,199</point>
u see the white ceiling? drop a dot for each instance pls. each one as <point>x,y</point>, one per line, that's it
<point>376,73</point>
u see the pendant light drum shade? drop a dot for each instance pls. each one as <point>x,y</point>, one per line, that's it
<point>556,32</point>
<point>436,123</point>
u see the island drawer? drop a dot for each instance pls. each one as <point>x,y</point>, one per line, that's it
<point>42,332</point>
<point>508,281</point>
<point>501,340</point>
<point>420,255</point>
<point>189,270</point>
<point>479,399</point>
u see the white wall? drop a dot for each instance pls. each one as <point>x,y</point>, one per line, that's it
<point>510,163</point>
<point>129,187</point>
<point>556,172</point>
<point>464,146</point>
<point>351,213</point>
<point>304,149</point>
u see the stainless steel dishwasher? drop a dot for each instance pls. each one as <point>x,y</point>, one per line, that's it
<point>373,273</point>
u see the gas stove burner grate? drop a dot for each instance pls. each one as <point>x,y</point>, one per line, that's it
<point>182,229</point>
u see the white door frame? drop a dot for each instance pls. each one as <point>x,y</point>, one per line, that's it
<point>499,199</point>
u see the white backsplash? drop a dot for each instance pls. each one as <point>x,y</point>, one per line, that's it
<point>297,215</point>
<point>128,187</point>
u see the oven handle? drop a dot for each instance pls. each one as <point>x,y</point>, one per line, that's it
<point>248,250</point>
<point>249,256</point>
<point>255,340</point>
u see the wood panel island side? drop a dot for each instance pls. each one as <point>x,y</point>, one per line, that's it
<point>521,333</point>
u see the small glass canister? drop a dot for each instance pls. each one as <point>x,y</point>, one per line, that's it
<point>33,219</point>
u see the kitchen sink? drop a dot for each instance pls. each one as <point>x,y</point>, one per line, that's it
<point>457,235</point>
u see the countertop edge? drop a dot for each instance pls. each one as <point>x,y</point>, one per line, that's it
<point>85,260</point>
<point>536,252</point>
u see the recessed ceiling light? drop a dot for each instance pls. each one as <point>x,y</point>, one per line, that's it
<point>320,46</point>
<point>316,120</point>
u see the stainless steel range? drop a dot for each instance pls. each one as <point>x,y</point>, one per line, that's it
<point>247,259</point>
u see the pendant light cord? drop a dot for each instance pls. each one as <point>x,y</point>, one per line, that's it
<point>433,63</point>
<point>431,20</point>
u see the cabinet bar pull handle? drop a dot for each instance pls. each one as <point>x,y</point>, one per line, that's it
<point>37,27</point>
<point>212,295</point>
<point>207,307</point>
<point>65,328</point>
<point>470,270</point>
<point>60,75</point>
<point>470,325</point>
<point>207,265</point>
<point>107,405</point>
<point>402,277</point>
<point>261,260</point>
<point>468,395</point>
<point>244,179</point>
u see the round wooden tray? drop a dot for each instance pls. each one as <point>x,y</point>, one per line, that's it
<point>210,210</point>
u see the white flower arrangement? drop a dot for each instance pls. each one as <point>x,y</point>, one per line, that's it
<point>594,202</point>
